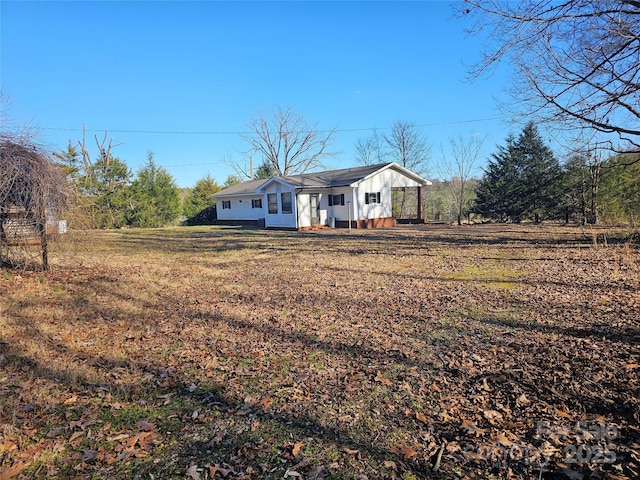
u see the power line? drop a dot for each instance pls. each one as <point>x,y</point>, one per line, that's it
<point>192,164</point>
<point>154,132</point>
<point>214,132</point>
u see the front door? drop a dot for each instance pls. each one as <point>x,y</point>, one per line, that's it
<point>314,204</point>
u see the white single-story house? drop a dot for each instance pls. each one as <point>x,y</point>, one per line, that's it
<point>360,195</point>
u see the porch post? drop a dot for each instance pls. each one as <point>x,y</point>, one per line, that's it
<point>420,203</point>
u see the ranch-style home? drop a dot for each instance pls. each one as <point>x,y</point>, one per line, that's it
<point>360,195</point>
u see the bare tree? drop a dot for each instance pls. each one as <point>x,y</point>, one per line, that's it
<point>576,63</point>
<point>408,147</point>
<point>287,142</point>
<point>370,150</point>
<point>457,170</point>
<point>90,171</point>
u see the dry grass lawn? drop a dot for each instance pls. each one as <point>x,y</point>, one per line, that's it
<point>415,352</point>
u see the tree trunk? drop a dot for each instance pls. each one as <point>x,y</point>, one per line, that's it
<point>594,171</point>
<point>41,221</point>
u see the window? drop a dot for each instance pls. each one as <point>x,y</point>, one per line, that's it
<point>286,202</point>
<point>372,197</point>
<point>226,204</point>
<point>272,202</point>
<point>256,203</point>
<point>336,199</point>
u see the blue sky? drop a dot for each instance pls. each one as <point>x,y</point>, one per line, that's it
<point>199,72</point>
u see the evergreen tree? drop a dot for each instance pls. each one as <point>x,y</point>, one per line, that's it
<point>100,185</point>
<point>154,197</point>
<point>104,188</point>
<point>540,185</point>
<point>231,181</point>
<point>266,170</point>
<point>620,189</point>
<point>522,180</point>
<point>497,196</point>
<point>71,162</point>
<point>199,198</point>
<point>107,175</point>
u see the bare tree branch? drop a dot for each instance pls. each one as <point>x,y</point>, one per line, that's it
<point>576,63</point>
<point>32,190</point>
<point>408,147</point>
<point>370,150</point>
<point>287,142</point>
<point>457,169</point>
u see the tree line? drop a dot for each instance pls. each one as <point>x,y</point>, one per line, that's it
<point>574,67</point>
<point>524,181</point>
<point>110,195</point>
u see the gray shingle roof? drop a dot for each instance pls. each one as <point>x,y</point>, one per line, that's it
<point>332,178</point>
<point>244,188</point>
<point>329,179</point>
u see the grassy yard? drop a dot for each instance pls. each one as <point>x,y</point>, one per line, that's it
<point>408,353</point>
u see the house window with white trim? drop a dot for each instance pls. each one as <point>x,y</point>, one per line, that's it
<point>336,199</point>
<point>256,203</point>
<point>287,206</point>
<point>372,197</point>
<point>226,204</point>
<point>272,203</point>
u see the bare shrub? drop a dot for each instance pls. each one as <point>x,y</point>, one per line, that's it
<point>32,195</point>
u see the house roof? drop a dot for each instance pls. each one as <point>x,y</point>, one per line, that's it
<point>329,179</point>
<point>245,188</point>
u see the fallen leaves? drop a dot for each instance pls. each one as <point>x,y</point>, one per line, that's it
<point>217,439</point>
<point>144,440</point>
<point>383,380</point>
<point>405,451</point>
<point>193,472</point>
<point>218,470</point>
<point>295,451</point>
<point>471,428</point>
<point>563,414</point>
<point>196,356</point>
<point>494,417</point>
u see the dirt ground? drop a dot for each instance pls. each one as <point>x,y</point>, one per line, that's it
<point>485,351</point>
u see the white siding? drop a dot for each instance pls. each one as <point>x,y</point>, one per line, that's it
<point>304,207</point>
<point>324,212</point>
<point>241,208</point>
<point>339,212</point>
<point>304,212</point>
<point>280,220</point>
<point>381,182</point>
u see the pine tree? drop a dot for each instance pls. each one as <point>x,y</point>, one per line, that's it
<point>71,162</point>
<point>497,195</point>
<point>540,186</point>
<point>199,198</point>
<point>266,170</point>
<point>522,180</point>
<point>154,197</point>
<point>104,188</point>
